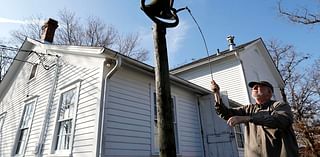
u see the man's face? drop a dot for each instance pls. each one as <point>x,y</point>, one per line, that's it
<point>260,91</point>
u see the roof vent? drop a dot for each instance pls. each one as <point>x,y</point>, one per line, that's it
<point>48,30</point>
<point>231,43</point>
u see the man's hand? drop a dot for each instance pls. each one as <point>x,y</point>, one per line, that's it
<point>214,87</point>
<point>216,91</point>
<point>232,121</point>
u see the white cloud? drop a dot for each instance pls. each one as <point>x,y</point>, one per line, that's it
<point>12,21</point>
<point>6,20</point>
<point>176,37</point>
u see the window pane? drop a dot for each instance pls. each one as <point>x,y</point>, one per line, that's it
<point>33,71</point>
<point>22,141</point>
<point>67,104</point>
<point>26,119</point>
<point>64,134</point>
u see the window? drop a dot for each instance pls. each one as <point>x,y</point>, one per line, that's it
<point>155,127</point>
<point>24,128</point>
<point>33,71</point>
<point>239,136</point>
<point>66,113</point>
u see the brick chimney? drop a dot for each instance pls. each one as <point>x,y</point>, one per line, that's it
<point>48,30</point>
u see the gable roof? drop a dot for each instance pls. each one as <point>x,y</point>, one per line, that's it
<point>212,58</point>
<point>99,52</point>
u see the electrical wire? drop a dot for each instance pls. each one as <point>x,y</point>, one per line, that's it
<point>204,41</point>
<point>1,56</point>
<point>41,56</point>
<point>228,130</point>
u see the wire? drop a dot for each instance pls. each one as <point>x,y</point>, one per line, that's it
<point>203,38</point>
<point>41,56</point>
<point>18,60</point>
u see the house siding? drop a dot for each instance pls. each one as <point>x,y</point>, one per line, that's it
<point>189,127</point>
<point>127,120</point>
<point>129,116</point>
<point>22,89</point>
<point>88,102</point>
<point>13,103</point>
<point>227,73</point>
<point>256,68</point>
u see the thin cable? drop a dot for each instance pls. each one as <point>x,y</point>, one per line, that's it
<point>18,60</point>
<point>204,40</point>
<point>41,56</point>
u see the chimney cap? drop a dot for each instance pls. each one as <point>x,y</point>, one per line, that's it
<point>231,44</point>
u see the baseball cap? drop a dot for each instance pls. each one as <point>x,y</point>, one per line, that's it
<point>263,83</point>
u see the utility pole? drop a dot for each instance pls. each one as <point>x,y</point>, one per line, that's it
<point>162,9</point>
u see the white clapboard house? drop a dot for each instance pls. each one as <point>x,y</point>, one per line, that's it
<point>233,69</point>
<point>62,100</point>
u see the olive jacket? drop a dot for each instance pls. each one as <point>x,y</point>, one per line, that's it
<point>269,132</point>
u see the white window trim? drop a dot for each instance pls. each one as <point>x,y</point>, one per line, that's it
<point>152,98</point>
<point>73,84</point>
<point>33,99</point>
<point>35,73</point>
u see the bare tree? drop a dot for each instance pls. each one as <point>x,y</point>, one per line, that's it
<point>301,14</point>
<point>69,31</point>
<point>126,46</point>
<point>93,32</point>
<point>31,28</point>
<point>95,38</point>
<point>6,57</point>
<point>301,88</point>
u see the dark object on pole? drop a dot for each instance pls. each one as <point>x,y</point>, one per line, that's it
<point>161,12</point>
<point>158,11</point>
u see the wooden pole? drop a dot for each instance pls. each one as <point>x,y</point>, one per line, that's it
<point>163,94</point>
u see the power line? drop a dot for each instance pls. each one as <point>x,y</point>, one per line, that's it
<point>17,59</point>
<point>41,56</point>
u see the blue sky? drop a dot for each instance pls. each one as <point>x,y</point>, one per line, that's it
<point>246,20</point>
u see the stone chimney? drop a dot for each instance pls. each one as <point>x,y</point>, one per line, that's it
<point>48,30</point>
<point>231,43</point>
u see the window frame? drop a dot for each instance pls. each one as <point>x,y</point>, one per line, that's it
<point>154,150</point>
<point>33,72</point>
<point>33,101</point>
<point>74,85</point>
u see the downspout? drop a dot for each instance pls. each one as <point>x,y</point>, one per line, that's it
<point>201,127</point>
<point>117,65</point>
<point>39,147</point>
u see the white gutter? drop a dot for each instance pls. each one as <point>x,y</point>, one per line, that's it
<point>39,147</point>
<point>118,63</point>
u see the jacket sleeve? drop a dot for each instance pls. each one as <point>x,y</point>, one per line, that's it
<point>225,112</point>
<point>279,117</point>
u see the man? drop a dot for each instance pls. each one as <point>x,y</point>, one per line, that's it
<point>268,123</point>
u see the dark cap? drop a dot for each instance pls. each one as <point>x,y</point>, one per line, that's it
<point>263,83</point>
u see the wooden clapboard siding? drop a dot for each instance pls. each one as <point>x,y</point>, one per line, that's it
<point>129,111</point>
<point>227,73</point>
<point>127,119</point>
<point>14,105</point>
<point>189,131</point>
<point>255,63</point>
<point>86,118</point>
